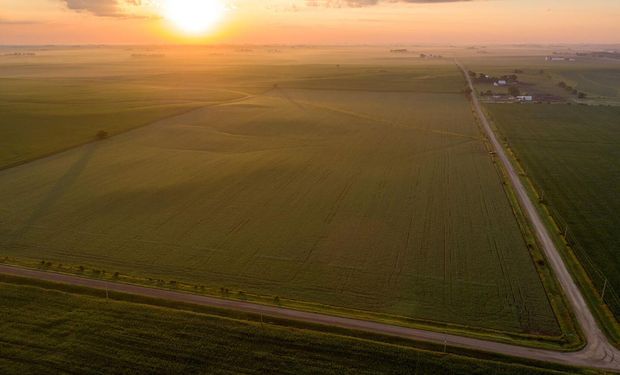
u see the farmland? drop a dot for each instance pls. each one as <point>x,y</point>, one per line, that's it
<point>598,79</point>
<point>62,98</point>
<point>358,186</point>
<point>572,154</point>
<point>45,329</point>
<point>599,82</point>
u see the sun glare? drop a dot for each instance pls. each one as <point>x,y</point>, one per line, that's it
<point>194,16</point>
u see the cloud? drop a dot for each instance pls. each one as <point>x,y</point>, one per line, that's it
<point>105,8</point>
<point>4,21</point>
<point>366,3</point>
<point>145,8</point>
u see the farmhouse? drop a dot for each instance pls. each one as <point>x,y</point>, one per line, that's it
<point>556,58</point>
<point>501,82</point>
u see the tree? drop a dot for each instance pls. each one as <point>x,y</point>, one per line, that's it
<point>102,134</point>
<point>562,84</point>
<point>582,95</point>
<point>514,91</point>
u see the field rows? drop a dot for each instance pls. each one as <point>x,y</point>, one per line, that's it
<point>386,202</point>
<point>572,154</point>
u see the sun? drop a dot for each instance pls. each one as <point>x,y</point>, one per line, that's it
<point>194,17</point>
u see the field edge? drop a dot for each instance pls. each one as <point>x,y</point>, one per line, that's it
<point>314,328</point>
<point>559,343</point>
<point>602,314</point>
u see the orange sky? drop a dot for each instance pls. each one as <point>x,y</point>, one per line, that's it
<point>317,22</point>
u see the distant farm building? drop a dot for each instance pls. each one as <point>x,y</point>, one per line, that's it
<point>525,98</point>
<point>556,58</point>
<point>501,82</point>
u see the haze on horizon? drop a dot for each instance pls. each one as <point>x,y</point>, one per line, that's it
<point>313,22</point>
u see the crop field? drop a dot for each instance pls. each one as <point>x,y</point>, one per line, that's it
<point>45,330</point>
<point>600,82</point>
<point>319,185</point>
<point>49,107</point>
<point>573,154</point>
<point>64,98</point>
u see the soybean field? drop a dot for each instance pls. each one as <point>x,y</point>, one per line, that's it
<point>318,185</point>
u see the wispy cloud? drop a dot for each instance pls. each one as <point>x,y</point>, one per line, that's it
<point>107,8</point>
<point>4,21</point>
<point>366,3</point>
<point>141,8</point>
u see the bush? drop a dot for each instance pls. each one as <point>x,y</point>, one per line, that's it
<point>102,134</point>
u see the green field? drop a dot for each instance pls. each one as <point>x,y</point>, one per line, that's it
<point>572,153</point>
<point>62,98</point>
<point>47,330</point>
<point>41,115</point>
<point>360,186</point>
<point>599,82</point>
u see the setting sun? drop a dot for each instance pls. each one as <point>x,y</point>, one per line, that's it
<point>194,16</point>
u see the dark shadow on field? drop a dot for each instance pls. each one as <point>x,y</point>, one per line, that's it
<point>59,188</point>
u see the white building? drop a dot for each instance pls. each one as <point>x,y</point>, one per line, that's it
<point>556,58</point>
<point>501,82</point>
<point>525,98</point>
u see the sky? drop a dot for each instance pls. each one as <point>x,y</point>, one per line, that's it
<point>309,21</point>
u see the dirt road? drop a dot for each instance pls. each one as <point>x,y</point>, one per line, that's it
<point>598,348</point>
<point>587,358</point>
